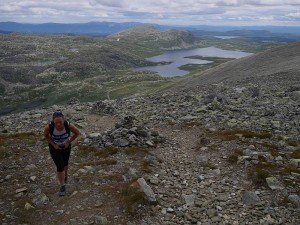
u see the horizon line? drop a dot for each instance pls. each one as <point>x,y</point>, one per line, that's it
<point>151,24</point>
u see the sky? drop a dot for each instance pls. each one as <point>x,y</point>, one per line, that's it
<point>166,12</point>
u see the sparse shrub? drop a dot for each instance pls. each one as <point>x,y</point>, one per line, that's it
<point>261,171</point>
<point>296,154</point>
<point>132,197</point>
<point>292,143</point>
<point>114,177</point>
<point>233,158</point>
<point>261,158</point>
<point>4,153</point>
<point>261,175</point>
<point>145,166</point>
<point>288,170</point>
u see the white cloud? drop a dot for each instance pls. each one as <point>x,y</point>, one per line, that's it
<point>217,12</point>
<point>296,15</point>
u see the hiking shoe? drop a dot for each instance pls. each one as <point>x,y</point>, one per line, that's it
<point>62,190</point>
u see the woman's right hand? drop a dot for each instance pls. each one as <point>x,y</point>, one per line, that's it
<point>56,146</point>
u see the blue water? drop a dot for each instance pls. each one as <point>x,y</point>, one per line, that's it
<point>178,58</point>
<point>226,37</point>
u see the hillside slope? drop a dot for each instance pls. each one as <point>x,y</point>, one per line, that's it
<point>277,60</point>
<point>51,69</point>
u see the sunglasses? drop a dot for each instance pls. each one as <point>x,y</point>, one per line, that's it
<point>58,114</point>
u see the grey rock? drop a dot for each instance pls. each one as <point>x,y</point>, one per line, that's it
<point>154,180</point>
<point>170,210</point>
<point>211,213</point>
<point>150,143</point>
<point>41,199</point>
<point>131,173</point>
<point>273,183</point>
<point>295,199</point>
<point>121,142</point>
<point>94,135</point>
<point>8,177</point>
<point>250,198</point>
<point>295,162</point>
<point>216,219</point>
<point>30,167</point>
<point>201,178</point>
<point>203,160</point>
<point>142,133</point>
<point>147,190</point>
<point>189,200</point>
<point>100,220</point>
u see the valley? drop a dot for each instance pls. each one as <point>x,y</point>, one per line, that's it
<point>50,69</point>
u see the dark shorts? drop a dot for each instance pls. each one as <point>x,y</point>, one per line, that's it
<point>60,157</point>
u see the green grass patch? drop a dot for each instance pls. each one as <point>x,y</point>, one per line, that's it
<point>107,162</point>
<point>106,152</point>
<point>9,142</point>
<point>230,135</point>
<point>85,149</point>
<point>99,163</point>
<point>137,151</point>
<point>215,61</point>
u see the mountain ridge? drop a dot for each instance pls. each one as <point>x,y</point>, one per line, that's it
<point>105,28</point>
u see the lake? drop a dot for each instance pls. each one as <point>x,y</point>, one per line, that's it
<point>178,58</point>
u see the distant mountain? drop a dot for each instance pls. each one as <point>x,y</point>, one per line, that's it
<point>106,28</point>
<point>255,35</point>
<point>149,35</point>
<point>96,28</point>
<point>276,29</point>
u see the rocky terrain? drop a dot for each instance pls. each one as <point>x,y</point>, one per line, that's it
<point>216,150</point>
<point>225,153</point>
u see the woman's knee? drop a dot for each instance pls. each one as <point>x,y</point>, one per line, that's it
<point>60,168</point>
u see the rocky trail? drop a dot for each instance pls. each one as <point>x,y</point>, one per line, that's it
<point>221,154</point>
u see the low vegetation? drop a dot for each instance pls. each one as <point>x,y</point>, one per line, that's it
<point>131,197</point>
<point>229,135</point>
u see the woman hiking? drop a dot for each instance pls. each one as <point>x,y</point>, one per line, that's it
<point>58,135</point>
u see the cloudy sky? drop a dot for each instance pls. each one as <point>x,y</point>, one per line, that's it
<point>172,12</point>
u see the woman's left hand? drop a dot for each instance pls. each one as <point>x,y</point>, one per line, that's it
<point>67,144</point>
